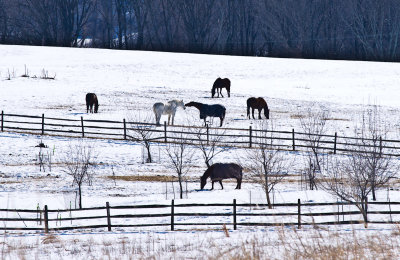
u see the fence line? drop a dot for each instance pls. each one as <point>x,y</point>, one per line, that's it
<point>228,137</point>
<point>189,216</point>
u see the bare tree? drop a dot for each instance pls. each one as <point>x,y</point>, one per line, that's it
<point>80,159</point>
<point>376,26</point>
<point>313,125</point>
<point>208,142</point>
<point>141,130</point>
<point>268,164</point>
<point>180,157</point>
<point>366,167</point>
<point>370,146</point>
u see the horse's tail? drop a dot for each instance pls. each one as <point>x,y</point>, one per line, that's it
<point>223,113</point>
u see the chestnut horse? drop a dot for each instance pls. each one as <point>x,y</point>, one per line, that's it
<point>220,171</point>
<point>257,103</point>
<point>91,99</point>
<point>219,84</point>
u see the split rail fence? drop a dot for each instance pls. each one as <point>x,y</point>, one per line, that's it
<point>225,137</point>
<point>178,216</point>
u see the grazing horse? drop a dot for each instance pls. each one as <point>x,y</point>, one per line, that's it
<point>91,99</point>
<point>257,103</point>
<point>167,109</point>
<point>219,84</point>
<point>209,110</point>
<point>220,171</point>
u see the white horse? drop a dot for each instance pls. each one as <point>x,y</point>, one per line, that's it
<point>167,109</point>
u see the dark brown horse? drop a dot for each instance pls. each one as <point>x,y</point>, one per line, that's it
<point>220,171</point>
<point>257,103</point>
<point>208,110</point>
<point>91,99</point>
<point>219,84</point>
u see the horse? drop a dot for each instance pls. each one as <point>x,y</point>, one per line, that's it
<point>257,103</point>
<point>220,171</point>
<point>219,84</point>
<point>91,99</point>
<point>167,109</point>
<point>209,110</point>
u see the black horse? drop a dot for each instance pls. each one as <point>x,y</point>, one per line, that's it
<point>220,171</point>
<point>257,103</point>
<point>91,99</point>
<point>219,84</point>
<point>208,110</point>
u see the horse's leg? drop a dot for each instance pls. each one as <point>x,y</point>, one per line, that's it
<point>173,116</point>
<point>248,112</point>
<point>169,117</point>
<point>220,90</point>
<point>239,183</point>
<point>212,185</point>
<point>252,112</point>
<point>222,119</point>
<point>220,182</point>
<point>259,113</point>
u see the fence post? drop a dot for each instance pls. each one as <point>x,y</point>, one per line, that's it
<point>108,216</point>
<point>234,214</point>
<point>250,135</point>
<point>165,131</point>
<point>46,220</point>
<point>42,124</point>
<point>124,129</point>
<point>172,215</point>
<point>298,213</point>
<point>207,134</point>
<point>293,145</point>
<point>334,144</point>
<point>2,120</point>
<point>83,129</point>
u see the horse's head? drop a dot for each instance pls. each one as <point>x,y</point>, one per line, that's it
<point>213,91</point>
<point>190,104</point>
<point>266,112</point>
<point>181,104</point>
<point>203,181</point>
<point>96,107</point>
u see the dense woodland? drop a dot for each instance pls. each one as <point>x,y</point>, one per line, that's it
<point>351,29</point>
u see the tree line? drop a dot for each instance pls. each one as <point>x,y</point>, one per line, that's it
<point>353,29</point>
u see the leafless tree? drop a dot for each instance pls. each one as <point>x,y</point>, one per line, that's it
<point>80,159</point>
<point>370,146</point>
<point>208,142</point>
<point>198,22</point>
<point>141,130</point>
<point>376,26</point>
<point>366,168</point>
<point>180,157</point>
<point>313,124</point>
<point>268,165</point>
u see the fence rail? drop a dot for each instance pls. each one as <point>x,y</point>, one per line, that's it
<point>227,137</point>
<point>197,215</point>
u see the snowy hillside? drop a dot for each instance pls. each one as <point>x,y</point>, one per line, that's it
<point>128,83</point>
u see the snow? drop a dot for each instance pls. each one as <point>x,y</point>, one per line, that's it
<point>127,84</point>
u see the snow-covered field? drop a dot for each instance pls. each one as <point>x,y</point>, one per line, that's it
<point>128,83</point>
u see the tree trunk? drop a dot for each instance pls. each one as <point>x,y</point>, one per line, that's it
<point>180,186</point>
<point>80,196</point>
<point>149,160</point>
<point>268,198</point>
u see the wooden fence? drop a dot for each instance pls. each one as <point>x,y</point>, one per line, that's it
<point>194,216</point>
<point>224,137</point>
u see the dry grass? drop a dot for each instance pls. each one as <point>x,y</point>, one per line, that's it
<point>277,243</point>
